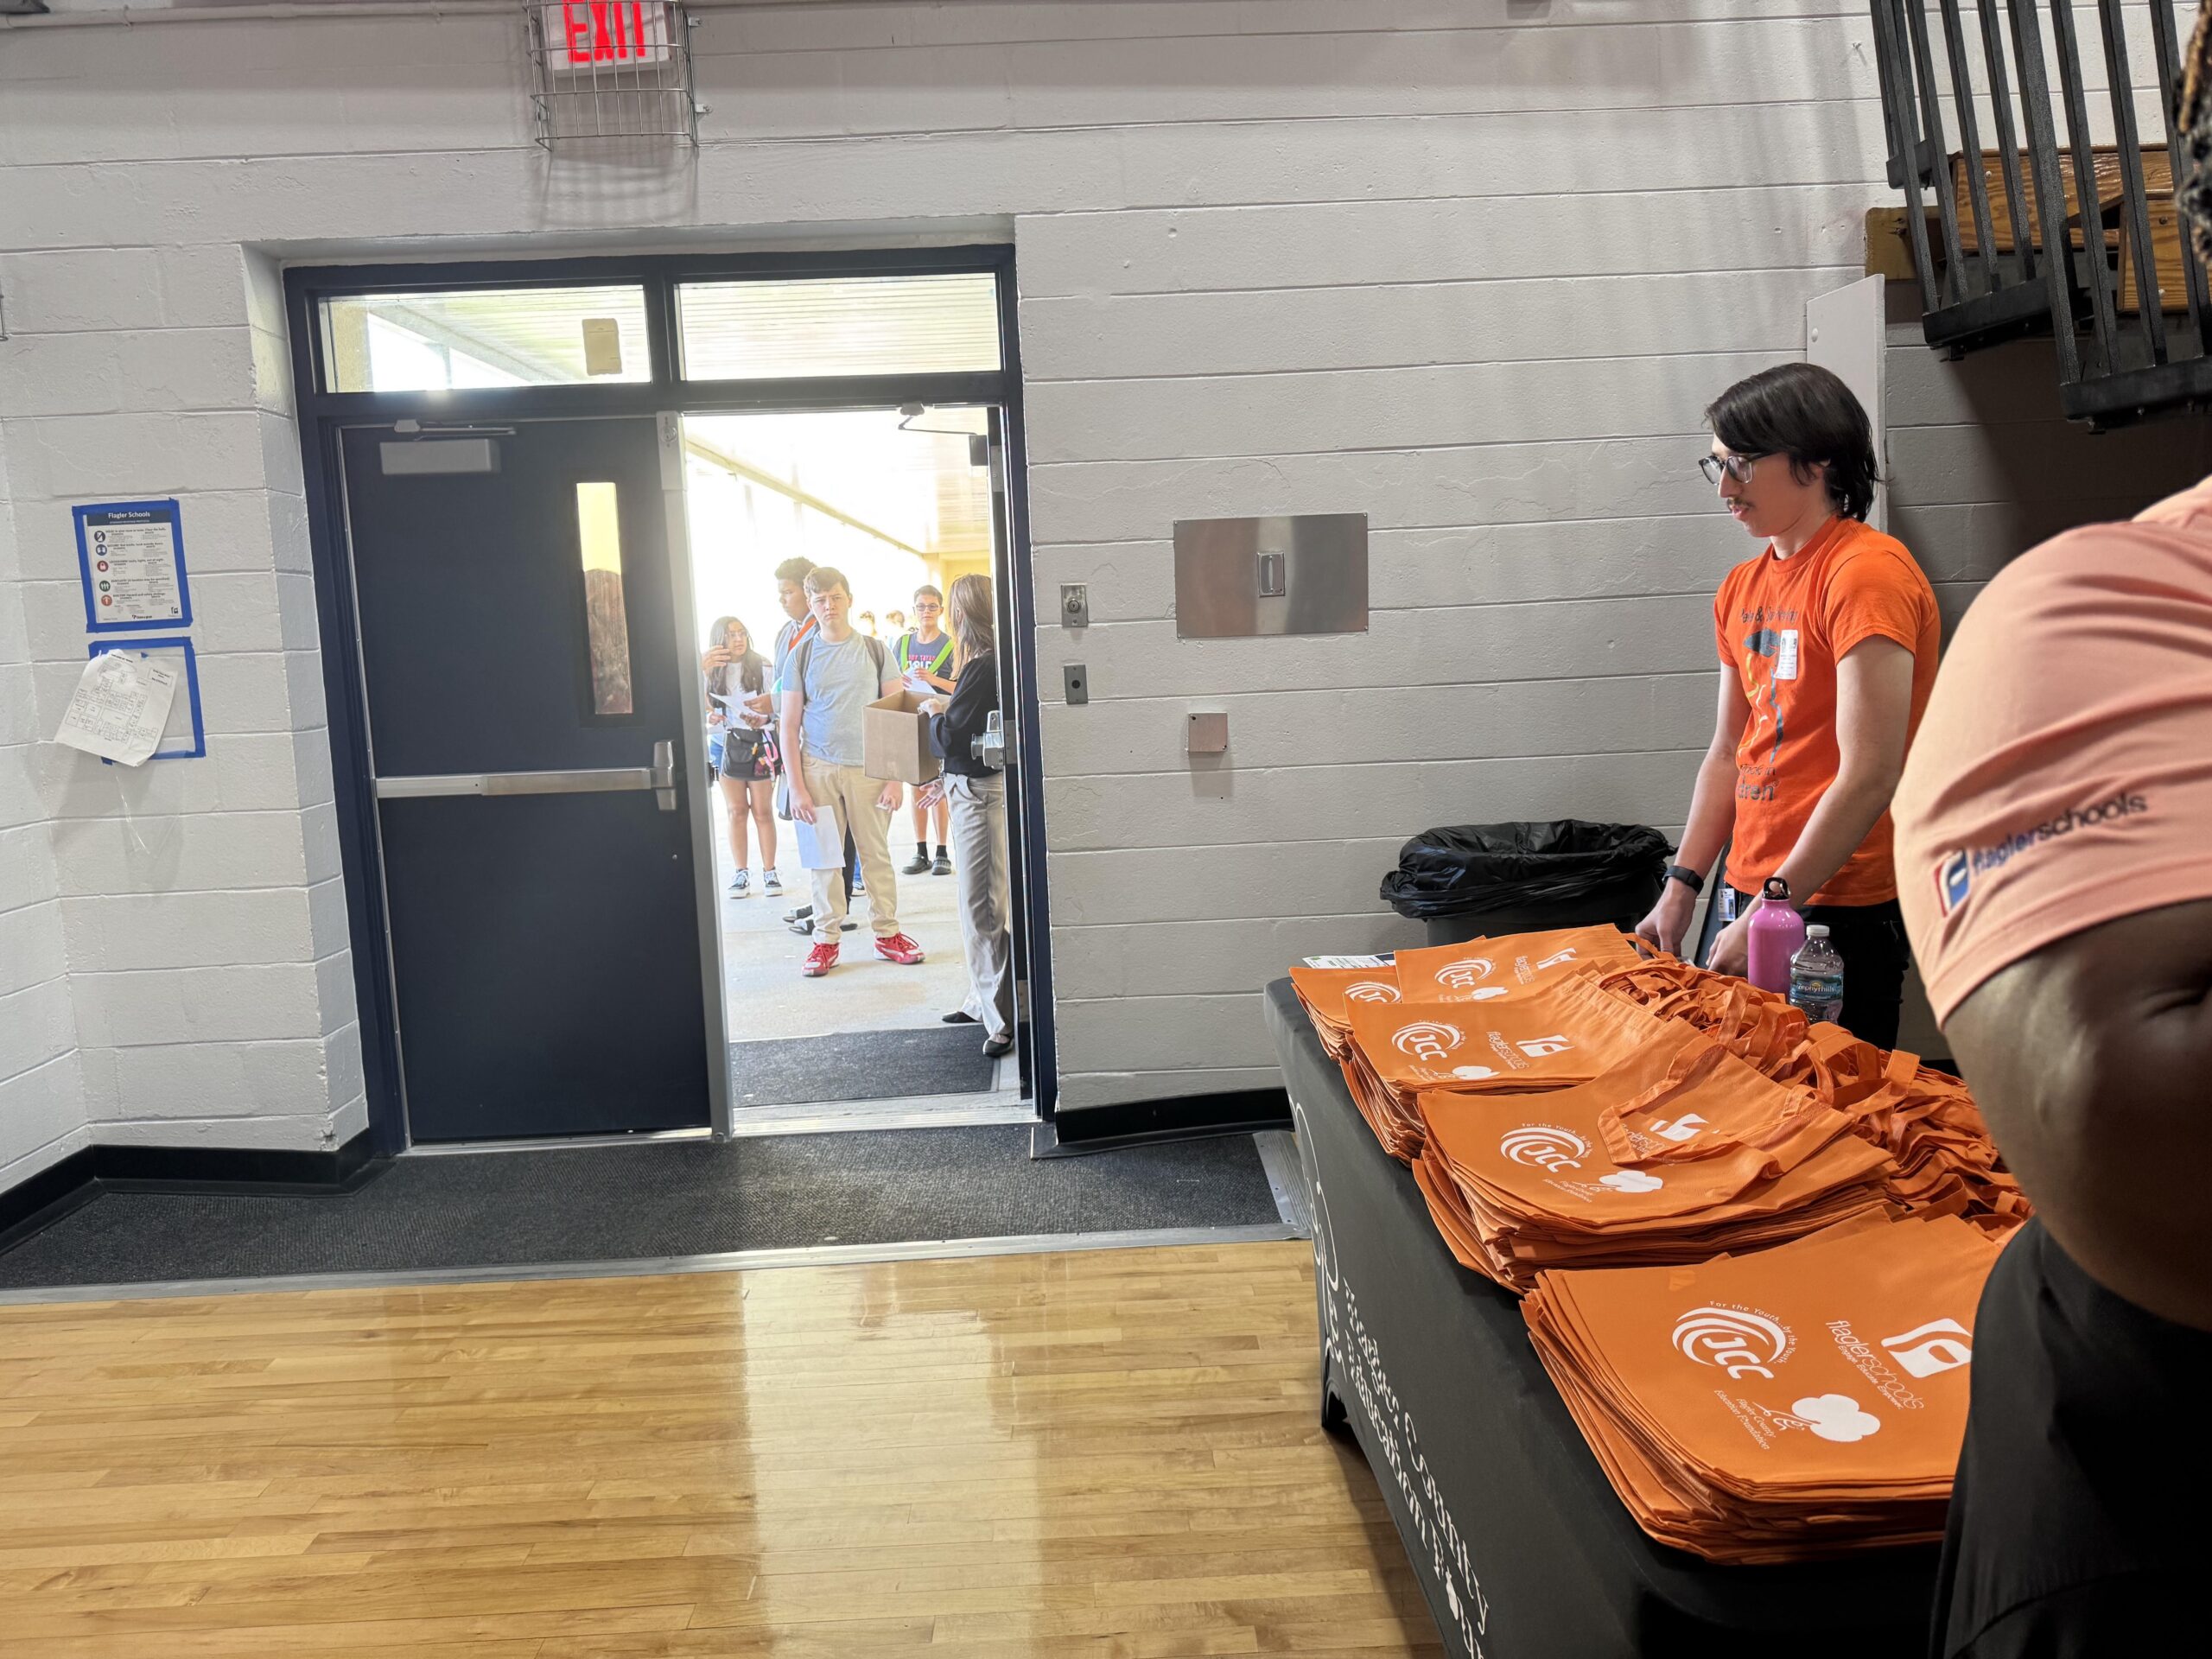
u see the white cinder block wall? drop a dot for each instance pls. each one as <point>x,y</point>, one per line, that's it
<point>1472,267</point>
<point>42,1085</point>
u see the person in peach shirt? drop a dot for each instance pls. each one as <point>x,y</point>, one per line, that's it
<point>2053,842</point>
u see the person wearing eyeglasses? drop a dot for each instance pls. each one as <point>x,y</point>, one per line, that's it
<point>1828,639</point>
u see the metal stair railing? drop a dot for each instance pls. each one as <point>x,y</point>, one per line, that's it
<point>1974,289</point>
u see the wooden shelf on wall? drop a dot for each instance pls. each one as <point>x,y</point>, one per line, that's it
<point>1889,242</point>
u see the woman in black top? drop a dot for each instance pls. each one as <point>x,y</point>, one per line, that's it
<point>977,797</point>
<point>737,707</point>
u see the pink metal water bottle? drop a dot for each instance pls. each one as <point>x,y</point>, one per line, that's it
<point>1776,933</point>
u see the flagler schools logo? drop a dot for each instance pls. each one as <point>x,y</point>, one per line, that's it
<point>1426,1039</point>
<point>1741,1341</point>
<point>1546,1146</point>
<point>1953,875</point>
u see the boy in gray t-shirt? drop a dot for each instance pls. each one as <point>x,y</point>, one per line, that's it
<point>829,679</point>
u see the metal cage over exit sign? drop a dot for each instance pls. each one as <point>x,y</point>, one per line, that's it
<point>611,69</point>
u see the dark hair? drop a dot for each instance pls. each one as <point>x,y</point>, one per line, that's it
<point>794,569</point>
<point>930,589</point>
<point>821,578</point>
<point>2193,167</point>
<point>1807,413</point>
<point>746,672</point>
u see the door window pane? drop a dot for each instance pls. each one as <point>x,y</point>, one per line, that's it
<point>606,622</point>
<point>793,329</point>
<point>484,337</point>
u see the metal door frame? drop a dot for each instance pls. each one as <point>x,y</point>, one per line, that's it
<point>665,398</point>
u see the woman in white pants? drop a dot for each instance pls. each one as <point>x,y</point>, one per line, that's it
<point>977,797</point>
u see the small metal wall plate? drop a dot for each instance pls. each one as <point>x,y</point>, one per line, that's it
<point>1240,578</point>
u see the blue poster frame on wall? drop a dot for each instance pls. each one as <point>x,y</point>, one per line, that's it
<point>165,510</point>
<point>198,749</point>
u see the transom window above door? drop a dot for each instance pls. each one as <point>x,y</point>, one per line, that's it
<point>462,339</point>
<point>807,328</point>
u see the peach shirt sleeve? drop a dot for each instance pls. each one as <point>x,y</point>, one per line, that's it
<point>2063,776</point>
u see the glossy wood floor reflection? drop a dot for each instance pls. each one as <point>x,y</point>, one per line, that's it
<point>1114,1453</point>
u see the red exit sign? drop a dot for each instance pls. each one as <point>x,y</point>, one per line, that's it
<point>584,35</point>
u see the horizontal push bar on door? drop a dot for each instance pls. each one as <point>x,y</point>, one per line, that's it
<point>660,776</point>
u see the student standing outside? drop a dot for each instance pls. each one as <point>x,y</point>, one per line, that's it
<point>977,795</point>
<point>737,691</point>
<point>924,658</point>
<point>1828,640</point>
<point>799,624</point>
<point>829,681</point>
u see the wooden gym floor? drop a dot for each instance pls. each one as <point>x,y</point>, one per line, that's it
<point>1112,1453</point>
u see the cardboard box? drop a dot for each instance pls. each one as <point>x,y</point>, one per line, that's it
<point>895,740</point>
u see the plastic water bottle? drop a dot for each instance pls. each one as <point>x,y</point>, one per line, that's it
<point>1776,931</point>
<point>1816,977</point>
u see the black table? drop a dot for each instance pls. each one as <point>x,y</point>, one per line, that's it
<point>1520,1544</point>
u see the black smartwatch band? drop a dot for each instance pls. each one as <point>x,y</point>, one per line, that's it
<point>1689,877</point>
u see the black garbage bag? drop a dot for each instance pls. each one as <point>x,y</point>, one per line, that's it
<point>1515,867</point>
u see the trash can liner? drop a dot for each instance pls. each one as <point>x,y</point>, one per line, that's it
<point>1476,866</point>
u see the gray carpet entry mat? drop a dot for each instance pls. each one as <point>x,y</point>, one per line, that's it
<point>686,1197</point>
<point>859,1065</point>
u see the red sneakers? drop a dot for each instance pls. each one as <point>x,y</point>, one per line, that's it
<point>820,960</point>
<point>894,947</point>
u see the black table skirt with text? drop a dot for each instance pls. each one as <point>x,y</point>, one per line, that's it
<point>1520,1543</point>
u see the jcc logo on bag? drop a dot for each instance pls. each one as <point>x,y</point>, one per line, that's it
<point>1546,1146</point>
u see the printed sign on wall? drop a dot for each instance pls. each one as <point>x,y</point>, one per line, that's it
<point>132,557</point>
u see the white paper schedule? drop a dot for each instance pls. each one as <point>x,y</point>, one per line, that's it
<point>119,707</point>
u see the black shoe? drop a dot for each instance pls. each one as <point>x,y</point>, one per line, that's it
<point>917,865</point>
<point>804,927</point>
<point>942,866</point>
<point>960,1017</point>
<point>805,912</point>
<point>997,1045</point>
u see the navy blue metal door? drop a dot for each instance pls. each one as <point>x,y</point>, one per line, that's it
<point>522,681</point>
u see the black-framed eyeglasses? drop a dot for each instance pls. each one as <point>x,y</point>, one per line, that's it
<point>1737,466</point>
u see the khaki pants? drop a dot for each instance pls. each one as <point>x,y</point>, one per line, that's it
<point>979,863</point>
<point>849,795</point>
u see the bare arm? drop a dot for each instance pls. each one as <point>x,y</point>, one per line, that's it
<point>1873,709</point>
<point>2089,1059</point>
<point>1713,816</point>
<point>793,704</point>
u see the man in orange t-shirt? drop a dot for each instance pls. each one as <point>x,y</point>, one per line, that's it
<point>1827,641</point>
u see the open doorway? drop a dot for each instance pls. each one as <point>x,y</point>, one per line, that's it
<point>899,501</point>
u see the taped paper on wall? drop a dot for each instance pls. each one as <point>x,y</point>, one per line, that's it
<point>130,555</point>
<point>119,708</point>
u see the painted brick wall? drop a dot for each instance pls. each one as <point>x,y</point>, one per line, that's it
<point>42,1085</point>
<point>1470,266</point>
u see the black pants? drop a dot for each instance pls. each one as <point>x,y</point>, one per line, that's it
<point>2078,1526</point>
<point>1871,940</point>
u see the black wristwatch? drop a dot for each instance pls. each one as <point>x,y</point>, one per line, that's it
<point>1689,877</point>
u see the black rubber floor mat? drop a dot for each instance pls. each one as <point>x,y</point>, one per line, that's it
<point>861,1065</point>
<point>660,1199</point>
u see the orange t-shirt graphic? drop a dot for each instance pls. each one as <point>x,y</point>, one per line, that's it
<point>1782,624</point>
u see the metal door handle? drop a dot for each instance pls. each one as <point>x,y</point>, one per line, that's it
<point>660,778</point>
<point>664,775</point>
